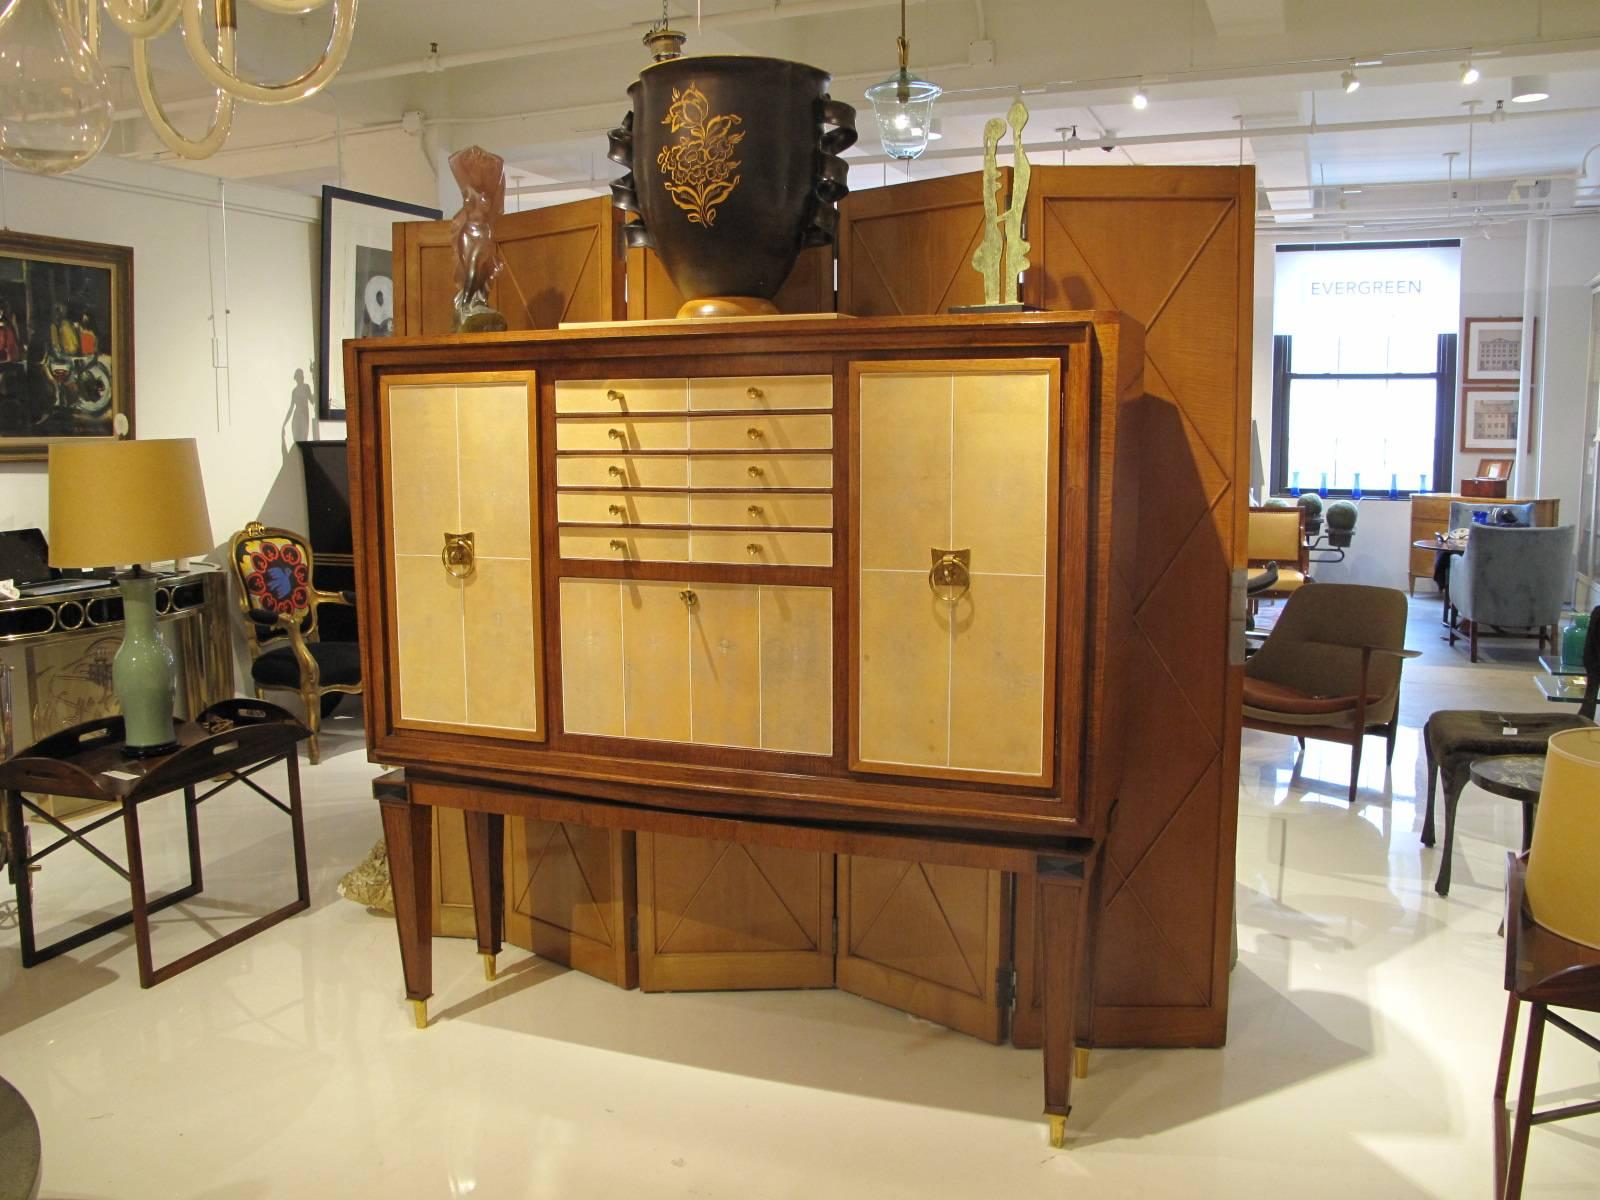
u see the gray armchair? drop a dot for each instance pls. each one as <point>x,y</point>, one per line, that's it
<point>1513,578</point>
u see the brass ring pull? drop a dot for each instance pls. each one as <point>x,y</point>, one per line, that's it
<point>753,548</point>
<point>754,434</point>
<point>950,577</point>
<point>754,393</point>
<point>620,546</point>
<point>616,472</point>
<point>459,555</point>
<point>618,435</point>
<point>688,597</point>
<point>616,510</point>
<point>754,472</point>
<point>615,396</point>
<point>755,510</point>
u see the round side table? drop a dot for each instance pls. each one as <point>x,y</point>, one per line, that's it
<point>21,1158</point>
<point>1516,777</point>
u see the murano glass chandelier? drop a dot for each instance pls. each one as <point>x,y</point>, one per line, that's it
<point>903,105</point>
<point>55,100</point>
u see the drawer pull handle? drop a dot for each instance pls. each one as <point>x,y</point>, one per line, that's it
<point>950,577</point>
<point>620,546</point>
<point>755,510</point>
<point>459,555</point>
<point>615,396</point>
<point>754,393</point>
<point>754,472</point>
<point>688,597</point>
<point>616,472</point>
<point>618,435</point>
<point>616,510</point>
<point>754,434</point>
<point>753,548</point>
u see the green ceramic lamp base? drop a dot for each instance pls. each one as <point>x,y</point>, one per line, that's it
<point>142,671</point>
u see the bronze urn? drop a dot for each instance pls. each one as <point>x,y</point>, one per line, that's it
<point>734,168</point>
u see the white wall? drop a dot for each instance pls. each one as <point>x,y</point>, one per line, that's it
<point>246,275</point>
<point>1572,259</point>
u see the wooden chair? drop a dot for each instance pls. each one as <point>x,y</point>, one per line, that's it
<point>1278,535</point>
<point>279,600</point>
<point>1330,670</point>
<point>1545,970</point>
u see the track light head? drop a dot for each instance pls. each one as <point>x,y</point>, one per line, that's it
<point>1529,89</point>
<point>1469,74</point>
<point>1351,81</point>
<point>1141,98</point>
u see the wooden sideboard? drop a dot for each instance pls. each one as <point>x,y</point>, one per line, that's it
<point>1430,514</point>
<point>801,586</point>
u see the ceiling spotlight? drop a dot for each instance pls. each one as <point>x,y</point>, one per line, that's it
<point>1469,74</point>
<point>1350,81</point>
<point>1141,98</point>
<point>1529,89</point>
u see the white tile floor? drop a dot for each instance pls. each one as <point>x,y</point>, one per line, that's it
<point>1365,1018</point>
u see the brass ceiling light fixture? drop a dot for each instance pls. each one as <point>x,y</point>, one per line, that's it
<point>55,100</point>
<point>903,105</point>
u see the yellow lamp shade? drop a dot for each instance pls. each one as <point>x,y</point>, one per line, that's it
<point>1564,861</point>
<point>115,502</point>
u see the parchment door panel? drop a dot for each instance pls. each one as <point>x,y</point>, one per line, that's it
<point>461,460</point>
<point>719,915</point>
<point>956,457</point>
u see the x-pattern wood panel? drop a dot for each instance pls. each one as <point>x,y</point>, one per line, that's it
<point>561,889</point>
<point>911,927</point>
<point>766,919</point>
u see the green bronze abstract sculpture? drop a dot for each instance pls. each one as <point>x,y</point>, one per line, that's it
<point>1003,243</point>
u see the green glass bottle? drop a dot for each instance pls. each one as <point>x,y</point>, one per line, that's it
<point>1572,640</point>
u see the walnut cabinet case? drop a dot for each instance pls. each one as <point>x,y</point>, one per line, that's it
<point>808,586</point>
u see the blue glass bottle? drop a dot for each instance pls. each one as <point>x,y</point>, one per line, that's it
<point>1355,488</point>
<point>1294,484</point>
<point>1322,488</point>
<point>1394,485</point>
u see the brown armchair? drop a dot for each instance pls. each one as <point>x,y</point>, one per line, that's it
<point>1331,668</point>
<point>279,600</point>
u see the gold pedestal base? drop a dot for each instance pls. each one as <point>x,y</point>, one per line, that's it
<point>488,966</point>
<point>419,1010</point>
<point>728,306</point>
<point>1058,1132</point>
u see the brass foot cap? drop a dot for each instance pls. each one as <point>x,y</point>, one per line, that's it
<point>1058,1132</point>
<point>419,1010</point>
<point>488,966</point>
<point>1080,1063</point>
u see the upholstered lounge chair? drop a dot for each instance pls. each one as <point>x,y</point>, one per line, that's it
<point>1512,578</point>
<point>1278,535</point>
<point>1331,668</point>
<point>279,599</point>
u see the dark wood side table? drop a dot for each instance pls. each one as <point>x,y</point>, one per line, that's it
<point>232,740</point>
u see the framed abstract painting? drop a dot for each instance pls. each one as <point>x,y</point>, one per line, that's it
<point>66,342</point>
<point>357,280</point>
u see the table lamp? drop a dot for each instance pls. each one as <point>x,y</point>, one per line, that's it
<point>1563,892</point>
<point>131,502</point>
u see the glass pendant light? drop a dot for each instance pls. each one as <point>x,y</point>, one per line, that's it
<point>903,105</point>
<point>55,103</point>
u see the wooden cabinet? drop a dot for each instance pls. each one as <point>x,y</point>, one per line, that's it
<point>794,604</point>
<point>1430,514</point>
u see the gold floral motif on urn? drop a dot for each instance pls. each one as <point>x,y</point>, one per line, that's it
<point>699,168</point>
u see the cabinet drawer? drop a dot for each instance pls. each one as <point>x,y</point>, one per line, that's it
<point>623,471</point>
<point>636,508</point>
<point>787,432</point>
<point>769,549</point>
<point>625,545</point>
<point>762,471</point>
<point>781,511</point>
<point>623,433</point>
<point>762,391</point>
<point>622,396</point>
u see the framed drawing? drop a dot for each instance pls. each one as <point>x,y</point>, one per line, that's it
<point>1488,418</point>
<point>66,342</point>
<point>1492,350</point>
<point>1494,468</point>
<point>357,280</point>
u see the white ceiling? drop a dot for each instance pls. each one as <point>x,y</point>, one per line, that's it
<point>540,82</point>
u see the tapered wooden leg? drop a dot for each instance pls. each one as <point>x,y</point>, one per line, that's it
<point>1524,1118</point>
<point>408,836</point>
<point>1508,1039</point>
<point>191,820</point>
<point>1389,732</point>
<point>1472,644</point>
<point>297,830</point>
<point>486,865</point>
<point>1433,786</point>
<point>1061,892</point>
<point>1452,797</point>
<point>21,878</point>
<point>1355,762</point>
<point>141,907</point>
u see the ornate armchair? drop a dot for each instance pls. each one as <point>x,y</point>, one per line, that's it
<point>279,600</point>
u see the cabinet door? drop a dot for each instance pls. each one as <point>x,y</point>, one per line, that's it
<point>708,664</point>
<point>461,461</point>
<point>570,896</point>
<point>956,680</point>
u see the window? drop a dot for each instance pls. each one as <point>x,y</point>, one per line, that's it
<point>1364,366</point>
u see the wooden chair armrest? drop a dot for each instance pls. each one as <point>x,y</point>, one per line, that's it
<point>1398,652</point>
<point>309,675</point>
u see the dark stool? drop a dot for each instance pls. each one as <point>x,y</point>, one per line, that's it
<point>1456,738</point>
